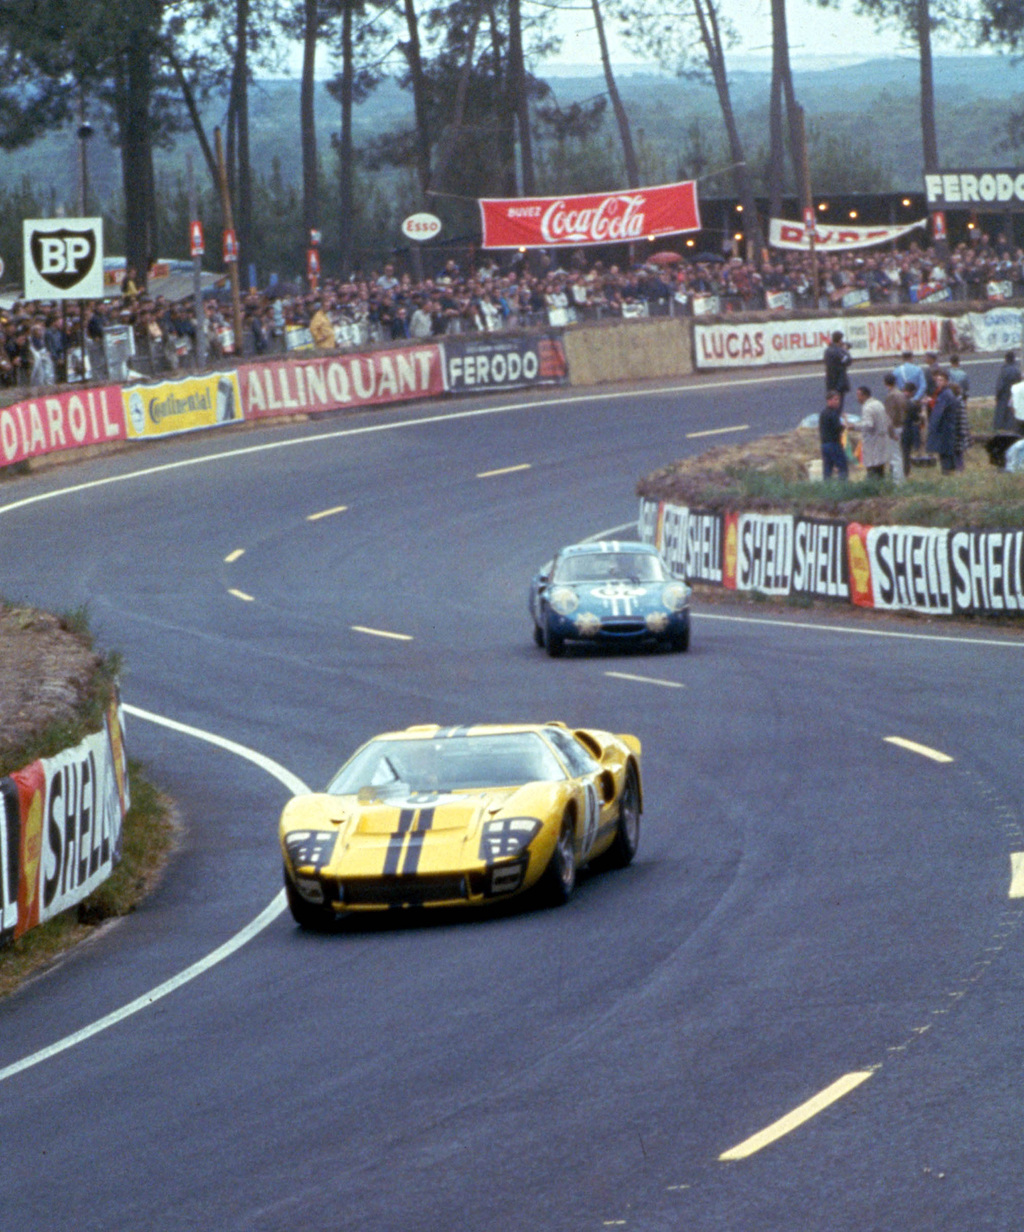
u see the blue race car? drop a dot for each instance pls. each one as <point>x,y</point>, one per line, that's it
<point>609,592</point>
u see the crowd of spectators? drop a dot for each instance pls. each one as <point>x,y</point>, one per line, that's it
<point>42,344</point>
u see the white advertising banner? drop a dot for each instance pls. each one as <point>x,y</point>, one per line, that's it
<point>785,234</point>
<point>738,345</point>
<point>998,330</point>
<point>63,258</point>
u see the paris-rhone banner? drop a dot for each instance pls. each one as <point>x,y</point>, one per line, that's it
<point>599,218</point>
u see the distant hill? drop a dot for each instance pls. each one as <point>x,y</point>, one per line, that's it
<point>870,104</point>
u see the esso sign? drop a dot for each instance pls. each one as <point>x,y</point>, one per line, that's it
<point>421,226</point>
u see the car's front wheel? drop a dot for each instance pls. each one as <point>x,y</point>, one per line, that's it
<point>558,881</point>
<point>554,643</point>
<point>538,635</point>
<point>681,640</point>
<point>306,914</point>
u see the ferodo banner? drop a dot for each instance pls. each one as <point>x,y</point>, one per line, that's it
<point>930,570</point>
<point>61,820</point>
<point>729,345</point>
<point>599,218</point>
<point>185,405</point>
<point>995,189</point>
<point>60,421</point>
<point>509,361</point>
<point>326,383</point>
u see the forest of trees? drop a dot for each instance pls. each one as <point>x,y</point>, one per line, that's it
<point>476,116</point>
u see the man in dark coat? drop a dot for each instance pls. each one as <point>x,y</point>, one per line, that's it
<point>830,433</point>
<point>1009,375</point>
<point>837,360</point>
<point>942,425</point>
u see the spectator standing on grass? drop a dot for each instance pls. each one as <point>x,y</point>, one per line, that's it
<point>906,372</point>
<point>897,407</point>
<point>1009,375</point>
<point>875,431</point>
<point>830,433</point>
<point>837,360</point>
<point>942,425</point>
<point>957,376</point>
<point>963,440</point>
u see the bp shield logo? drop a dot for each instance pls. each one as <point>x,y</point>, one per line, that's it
<point>64,261</point>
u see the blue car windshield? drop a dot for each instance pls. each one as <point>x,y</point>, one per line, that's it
<point>598,566</point>
<point>448,764</point>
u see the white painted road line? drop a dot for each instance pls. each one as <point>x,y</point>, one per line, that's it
<point>398,637</point>
<point>325,513</point>
<point>504,470</point>
<point>233,556</point>
<point>922,749</point>
<point>667,684</point>
<point>240,594</point>
<point>692,436</point>
<point>796,1118</point>
<point>241,938</point>
<point>1017,874</point>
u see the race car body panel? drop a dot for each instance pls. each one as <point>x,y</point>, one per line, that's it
<point>423,831</point>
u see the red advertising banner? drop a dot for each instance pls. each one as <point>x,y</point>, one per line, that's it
<point>328,382</point>
<point>600,218</point>
<point>60,421</point>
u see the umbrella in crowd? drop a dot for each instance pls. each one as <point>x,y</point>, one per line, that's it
<point>707,256</point>
<point>664,258</point>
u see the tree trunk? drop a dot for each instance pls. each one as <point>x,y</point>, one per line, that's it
<point>711,37</point>
<point>414,58</point>
<point>517,80</point>
<point>621,119</point>
<point>451,137</point>
<point>243,199</point>
<point>345,143</point>
<point>929,138</point>
<point>307,118</point>
<point>136,153</point>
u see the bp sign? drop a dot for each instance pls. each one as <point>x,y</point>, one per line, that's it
<point>63,258</point>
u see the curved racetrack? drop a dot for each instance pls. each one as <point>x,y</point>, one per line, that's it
<point>816,914</point>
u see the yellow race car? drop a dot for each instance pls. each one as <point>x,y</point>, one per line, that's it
<point>454,816</point>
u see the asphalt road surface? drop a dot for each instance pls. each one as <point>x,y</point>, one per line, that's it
<point>799,1009</point>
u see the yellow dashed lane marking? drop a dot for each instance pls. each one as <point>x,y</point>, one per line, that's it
<point>798,1116</point>
<point>326,513</point>
<point>398,637</point>
<point>1017,874</point>
<point>504,470</point>
<point>922,749</point>
<point>666,684</point>
<point>240,594</point>
<point>233,556</point>
<point>690,436</point>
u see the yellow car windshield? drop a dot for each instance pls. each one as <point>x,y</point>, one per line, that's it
<point>448,763</point>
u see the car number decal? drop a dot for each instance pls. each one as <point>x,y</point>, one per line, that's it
<point>591,817</point>
<point>620,595</point>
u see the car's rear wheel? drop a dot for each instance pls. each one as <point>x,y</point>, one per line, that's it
<point>558,881</point>
<point>627,829</point>
<point>306,914</point>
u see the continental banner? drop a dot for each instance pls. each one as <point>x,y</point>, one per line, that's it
<point>60,421</point>
<point>328,383</point>
<point>735,345</point>
<point>929,570</point>
<point>184,405</point>
<point>61,820</point>
<point>504,361</point>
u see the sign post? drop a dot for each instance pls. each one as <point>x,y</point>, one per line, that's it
<point>420,227</point>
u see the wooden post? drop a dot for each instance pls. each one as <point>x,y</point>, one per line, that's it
<point>808,200</point>
<point>229,225</point>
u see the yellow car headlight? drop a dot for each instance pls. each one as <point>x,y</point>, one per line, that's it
<point>675,596</point>
<point>564,600</point>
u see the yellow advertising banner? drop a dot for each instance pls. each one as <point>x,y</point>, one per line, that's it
<point>182,406</point>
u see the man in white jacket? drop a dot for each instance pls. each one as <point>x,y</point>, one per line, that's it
<point>875,431</point>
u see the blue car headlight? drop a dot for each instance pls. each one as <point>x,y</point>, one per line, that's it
<point>675,596</point>
<point>564,600</point>
<point>507,836</point>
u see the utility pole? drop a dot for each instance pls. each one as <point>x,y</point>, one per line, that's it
<point>230,243</point>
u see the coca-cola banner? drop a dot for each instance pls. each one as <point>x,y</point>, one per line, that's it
<point>785,234</point>
<point>600,218</point>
